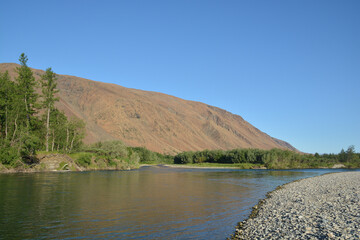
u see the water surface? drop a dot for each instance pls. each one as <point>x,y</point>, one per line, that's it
<point>150,203</point>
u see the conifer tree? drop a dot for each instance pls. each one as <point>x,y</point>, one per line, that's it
<point>26,86</point>
<point>48,83</point>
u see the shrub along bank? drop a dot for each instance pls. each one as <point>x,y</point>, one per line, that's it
<point>271,159</point>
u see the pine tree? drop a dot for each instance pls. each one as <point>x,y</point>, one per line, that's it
<point>26,86</point>
<point>48,83</point>
<point>342,156</point>
<point>350,153</point>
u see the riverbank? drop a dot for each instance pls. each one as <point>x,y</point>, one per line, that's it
<point>56,162</point>
<point>239,166</point>
<point>323,207</point>
<point>65,162</point>
<point>217,166</point>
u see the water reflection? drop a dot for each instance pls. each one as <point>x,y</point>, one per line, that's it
<point>150,203</point>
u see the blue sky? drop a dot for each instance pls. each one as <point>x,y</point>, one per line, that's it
<point>290,68</point>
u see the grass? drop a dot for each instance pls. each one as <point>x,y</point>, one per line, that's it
<point>50,152</point>
<point>77,155</point>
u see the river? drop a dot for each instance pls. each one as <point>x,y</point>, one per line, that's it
<point>149,203</point>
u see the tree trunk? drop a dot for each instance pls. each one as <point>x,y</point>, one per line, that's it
<point>47,128</point>
<point>6,123</point>
<point>53,141</point>
<point>27,115</point>
<point>67,138</point>
<point>72,141</point>
<point>13,137</point>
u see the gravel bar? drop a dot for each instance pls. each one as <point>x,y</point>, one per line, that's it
<point>323,207</point>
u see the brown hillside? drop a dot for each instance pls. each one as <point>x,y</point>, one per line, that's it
<point>153,120</point>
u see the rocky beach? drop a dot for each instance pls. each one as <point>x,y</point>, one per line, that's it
<point>323,207</point>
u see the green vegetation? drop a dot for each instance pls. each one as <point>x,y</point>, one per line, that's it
<point>223,165</point>
<point>63,166</point>
<point>48,83</point>
<point>115,153</point>
<point>29,122</point>
<point>149,157</point>
<point>109,154</point>
<point>84,159</point>
<point>271,159</point>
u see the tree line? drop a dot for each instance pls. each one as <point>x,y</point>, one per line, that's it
<point>29,120</point>
<point>272,159</point>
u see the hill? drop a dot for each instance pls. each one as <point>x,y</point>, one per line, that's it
<point>157,121</point>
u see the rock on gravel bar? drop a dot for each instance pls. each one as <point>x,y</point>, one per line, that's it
<point>323,207</point>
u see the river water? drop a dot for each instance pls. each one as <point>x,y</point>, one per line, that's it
<point>149,203</point>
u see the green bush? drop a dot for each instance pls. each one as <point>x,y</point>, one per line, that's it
<point>84,159</point>
<point>110,149</point>
<point>273,159</point>
<point>8,155</point>
<point>28,148</point>
<point>133,157</point>
<point>184,158</point>
<point>147,156</point>
<point>112,163</point>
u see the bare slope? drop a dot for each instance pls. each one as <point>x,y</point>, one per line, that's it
<point>156,121</point>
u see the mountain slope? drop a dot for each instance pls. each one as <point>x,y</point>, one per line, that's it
<point>156,121</point>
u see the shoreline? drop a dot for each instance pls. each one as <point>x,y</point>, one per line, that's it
<point>5,170</point>
<point>33,170</point>
<point>14,171</point>
<point>59,162</point>
<point>218,167</point>
<point>297,210</point>
<point>207,167</point>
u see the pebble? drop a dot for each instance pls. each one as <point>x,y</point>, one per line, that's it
<point>323,207</point>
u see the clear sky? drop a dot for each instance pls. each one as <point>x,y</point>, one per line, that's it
<point>290,68</point>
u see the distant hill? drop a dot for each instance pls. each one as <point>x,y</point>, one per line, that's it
<point>157,121</point>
